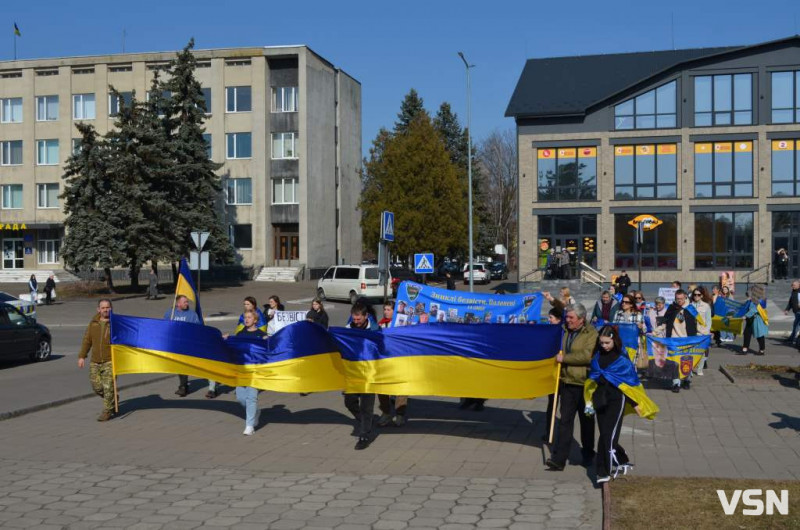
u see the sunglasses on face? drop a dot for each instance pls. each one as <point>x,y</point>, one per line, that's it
<point>697,294</point>
<point>639,298</point>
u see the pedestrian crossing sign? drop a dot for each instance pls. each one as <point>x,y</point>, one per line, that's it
<point>387,226</point>
<point>423,263</point>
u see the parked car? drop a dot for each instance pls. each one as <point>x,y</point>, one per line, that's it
<point>499,270</point>
<point>21,337</point>
<point>401,275</point>
<point>24,306</point>
<point>480,274</point>
<point>349,283</point>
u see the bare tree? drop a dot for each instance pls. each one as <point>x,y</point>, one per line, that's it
<point>498,156</point>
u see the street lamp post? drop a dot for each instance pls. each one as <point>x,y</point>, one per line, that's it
<point>469,166</point>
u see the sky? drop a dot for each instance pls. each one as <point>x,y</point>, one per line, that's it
<point>393,47</point>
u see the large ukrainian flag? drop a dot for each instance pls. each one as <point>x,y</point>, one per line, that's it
<point>479,360</point>
<point>187,288</point>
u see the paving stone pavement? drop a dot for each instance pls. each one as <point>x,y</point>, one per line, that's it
<point>77,495</point>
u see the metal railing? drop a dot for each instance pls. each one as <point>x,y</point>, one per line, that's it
<point>534,276</point>
<point>593,276</point>
<point>761,272</point>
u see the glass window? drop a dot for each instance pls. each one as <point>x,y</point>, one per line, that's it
<point>567,174</point>
<point>239,145</point>
<point>11,110</point>
<point>284,191</point>
<point>238,99</point>
<point>655,109</point>
<point>577,233</point>
<point>113,102</point>
<point>12,196</point>
<point>723,100</point>
<point>239,191</point>
<point>785,181</point>
<point>46,108</point>
<point>645,171</point>
<point>76,146</point>
<point>723,240</point>
<point>83,107</point>
<point>659,248</point>
<point>46,152</point>
<point>11,153</point>
<point>207,99</point>
<point>48,251</point>
<point>784,97</point>
<point>723,169</point>
<point>47,195</point>
<point>283,145</point>
<point>347,273</point>
<point>207,140</point>
<point>241,236</point>
<point>284,99</point>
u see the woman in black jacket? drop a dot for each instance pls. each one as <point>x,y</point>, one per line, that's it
<point>317,313</point>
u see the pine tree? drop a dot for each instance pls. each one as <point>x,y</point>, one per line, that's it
<point>447,125</point>
<point>411,107</point>
<point>196,187</point>
<point>91,240</point>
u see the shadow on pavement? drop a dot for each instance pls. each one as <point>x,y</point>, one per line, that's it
<point>786,422</point>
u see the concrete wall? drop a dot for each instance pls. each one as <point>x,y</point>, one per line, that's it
<point>349,190</point>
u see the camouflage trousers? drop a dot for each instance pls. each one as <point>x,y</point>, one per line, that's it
<point>102,383</point>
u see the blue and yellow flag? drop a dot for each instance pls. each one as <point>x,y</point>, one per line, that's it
<point>676,357</point>
<point>260,324</point>
<point>628,334</point>
<point>186,287</point>
<point>16,30</point>
<point>484,360</point>
<point>728,324</point>
<point>622,374</point>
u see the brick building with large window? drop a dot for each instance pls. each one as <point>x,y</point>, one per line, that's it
<point>285,123</point>
<point>707,140</point>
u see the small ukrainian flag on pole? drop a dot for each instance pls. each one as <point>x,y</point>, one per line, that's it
<point>16,30</point>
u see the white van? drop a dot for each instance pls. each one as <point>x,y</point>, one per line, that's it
<point>350,282</point>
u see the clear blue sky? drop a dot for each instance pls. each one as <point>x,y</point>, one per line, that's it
<point>393,46</point>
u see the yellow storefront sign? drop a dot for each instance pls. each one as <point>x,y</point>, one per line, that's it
<point>13,226</point>
<point>648,222</point>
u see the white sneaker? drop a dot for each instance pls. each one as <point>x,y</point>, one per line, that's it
<point>699,371</point>
<point>248,431</point>
<point>600,480</point>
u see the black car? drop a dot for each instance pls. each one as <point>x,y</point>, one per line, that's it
<point>21,337</point>
<point>499,271</point>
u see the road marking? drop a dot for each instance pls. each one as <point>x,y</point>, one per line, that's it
<point>300,301</point>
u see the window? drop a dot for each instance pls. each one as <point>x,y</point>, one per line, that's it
<point>76,146</point>
<point>785,103</point>
<point>659,248</point>
<point>347,273</point>
<point>11,153</point>
<point>83,107</point>
<point>239,145</point>
<point>567,174</point>
<point>284,99</point>
<point>83,71</point>
<point>238,99</point>
<point>785,177</point>
<point>46,108</point>
<point>207,140</point>
<point>116,68</point>
<point>576,233</point>
<point>723,100</point>
<point>655,109</point>
<point>237,62</point>
<point>166,96</point>
<point>241,236</point>
<point>723,240</point>
<point>45,72</point>
<point>48,251</point>
<point>113,102</point>
<point>723,169</point>
<point>207,99</point>
<point>284,191</point>
<point>12,110</point>
<point>645,171</point>
<point>12,196</point>
<point>47,195</point>
<point>283,145</point>
<point>10,74</point>
<point>46,152</point>
<point>239,191</point>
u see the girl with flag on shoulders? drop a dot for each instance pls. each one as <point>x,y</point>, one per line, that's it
<point>611,390</point>
<point>250,304</point>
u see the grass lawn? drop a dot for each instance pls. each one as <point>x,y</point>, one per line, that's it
<point>693,503</point>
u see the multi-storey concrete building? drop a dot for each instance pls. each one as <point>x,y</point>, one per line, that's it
<point>707,140</point>
<point>285,122</point>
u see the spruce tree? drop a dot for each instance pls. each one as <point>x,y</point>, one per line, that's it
<point>411,107</point>
<point>91,239</point>
<point>196,187</point>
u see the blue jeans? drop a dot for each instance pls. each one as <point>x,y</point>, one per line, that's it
<point>248,397</point>
<point>795,327</point>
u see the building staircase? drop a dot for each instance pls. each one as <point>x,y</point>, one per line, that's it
<point>23,275</point>
<point>280,274</point>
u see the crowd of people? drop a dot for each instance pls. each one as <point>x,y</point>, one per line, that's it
<point>591,347</point>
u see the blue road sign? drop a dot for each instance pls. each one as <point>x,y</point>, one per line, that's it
<point>387,226</point>
<point>423,263</point>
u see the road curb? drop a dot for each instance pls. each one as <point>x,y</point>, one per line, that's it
<point>66,401</point>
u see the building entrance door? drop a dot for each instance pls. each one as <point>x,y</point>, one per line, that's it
<point>287,244</point>
<point>13,253</point>
<point>786,235</point>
